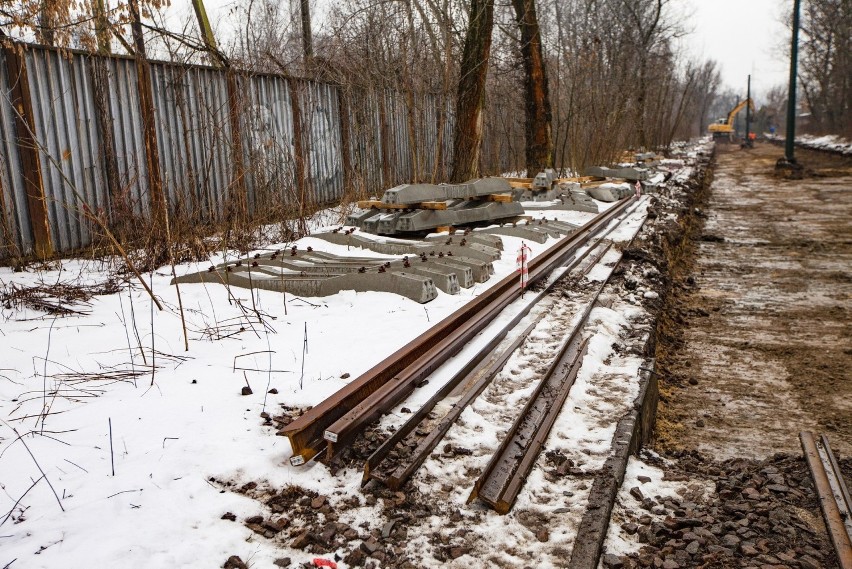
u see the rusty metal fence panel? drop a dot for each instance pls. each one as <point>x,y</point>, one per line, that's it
<point>126,122</point>
<point>365,152</point>
<point>16,236</point>
<point>90,135</point>
<point>65,130</point>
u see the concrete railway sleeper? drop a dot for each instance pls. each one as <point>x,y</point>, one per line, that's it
<point>336,421</point>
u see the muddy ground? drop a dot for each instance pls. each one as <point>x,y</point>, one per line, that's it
<point>765,345</point>
<point>754,346</point>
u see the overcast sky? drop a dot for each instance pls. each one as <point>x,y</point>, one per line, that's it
<point>744,36</point>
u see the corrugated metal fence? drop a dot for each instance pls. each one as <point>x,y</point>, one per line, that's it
<point>302,142</point>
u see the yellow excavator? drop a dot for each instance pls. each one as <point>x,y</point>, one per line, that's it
<point>724,127</point>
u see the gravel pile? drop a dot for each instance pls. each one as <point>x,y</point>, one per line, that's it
<point>762,515</point>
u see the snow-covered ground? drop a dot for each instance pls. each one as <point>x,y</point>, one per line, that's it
<point>830,142</point>
<point>67,382</point>
<point>827,142</point>
<point>114,439</point>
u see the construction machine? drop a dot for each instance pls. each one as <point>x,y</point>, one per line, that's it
<point>724,127</point>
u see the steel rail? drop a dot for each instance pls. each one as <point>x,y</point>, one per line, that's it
<point>832,493</point>
<point>341,433</point>
<point>428,351</point>
<point>491,359</point>
<point>508,469</point>
<point>504,476</point>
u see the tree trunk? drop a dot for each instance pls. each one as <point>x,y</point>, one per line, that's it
<point>307,39</point>
<point>471,93</point>
<point>538,129</point>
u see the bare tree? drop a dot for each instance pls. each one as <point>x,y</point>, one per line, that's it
<point>825,67</point>
<point>471,91</point>
<point>538,124</point>
<point>709,80</point>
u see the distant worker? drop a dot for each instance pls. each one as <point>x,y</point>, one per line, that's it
<point>772,130</point>
<point>752,136</point>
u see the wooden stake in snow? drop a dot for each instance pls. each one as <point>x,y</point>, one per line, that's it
<point>111,456</point>
<point>304,351</point>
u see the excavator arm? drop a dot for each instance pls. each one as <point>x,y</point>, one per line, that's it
<point>726,126</point>
<point>740,106</point>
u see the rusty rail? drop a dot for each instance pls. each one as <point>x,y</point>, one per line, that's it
<point>504,476</point>
<point>502,480</point>
<point>365,397</point>
<point>832,493</point>
<point>420,435</point>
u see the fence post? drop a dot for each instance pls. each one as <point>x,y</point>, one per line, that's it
<point>28,152</point>
<point>345,149</point>
<point>9,243</point>
<point>149,130</point>
<point>298,150</point>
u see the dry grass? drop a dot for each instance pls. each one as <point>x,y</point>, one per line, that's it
<point>57,299</point>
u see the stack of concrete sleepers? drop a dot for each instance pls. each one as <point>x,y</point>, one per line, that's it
<point>421,208</point>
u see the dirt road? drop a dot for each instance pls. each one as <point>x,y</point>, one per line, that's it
<point>767,316</point>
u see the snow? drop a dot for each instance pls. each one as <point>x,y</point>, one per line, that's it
<point>113,388</point>
<point>827,142</point>
<point>176,428</point>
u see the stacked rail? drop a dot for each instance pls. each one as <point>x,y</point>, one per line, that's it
<point>404,452</point>
<point>334,423</point>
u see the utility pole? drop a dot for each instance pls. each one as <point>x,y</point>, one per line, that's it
<point>789,160</point>
<point>237,190</point>
<point>748,114</point>
<point>206,31</point>
<point>307,41</point>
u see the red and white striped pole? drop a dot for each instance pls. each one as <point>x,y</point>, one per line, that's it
<point>524,255</point>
